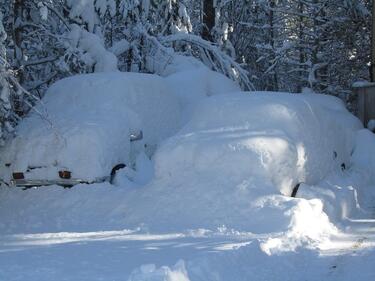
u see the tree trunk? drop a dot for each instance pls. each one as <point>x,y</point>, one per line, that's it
<point>17,29</point>
<point>208,19</point>
<point>18,11</point>
<point>300,48</point>
<point>272,43</point>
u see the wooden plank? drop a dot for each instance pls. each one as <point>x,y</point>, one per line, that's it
<point>361,104</point>
<point>370,105</point>
<point>366,101</point>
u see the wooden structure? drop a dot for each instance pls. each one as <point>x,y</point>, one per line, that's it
<point>372,66</point>
<point>366,101</point>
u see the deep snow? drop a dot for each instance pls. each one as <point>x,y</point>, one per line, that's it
<point>213,203</point>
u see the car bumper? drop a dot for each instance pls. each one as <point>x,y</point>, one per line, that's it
<point>62,182</point>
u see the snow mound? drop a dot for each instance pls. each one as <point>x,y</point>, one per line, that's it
<point>282,138</point>
<point>339,201</point>
<point>90,118</point>
<point>308,227</point>
<point>149,272</point>
<point>346,193</point>
<point>363,157</point>
<point>176,64</point>
<point>371,125</point>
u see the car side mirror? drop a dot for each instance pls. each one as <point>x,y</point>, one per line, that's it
<point>136,135</point>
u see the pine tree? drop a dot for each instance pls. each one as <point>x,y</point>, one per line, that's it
<point>7,115</point>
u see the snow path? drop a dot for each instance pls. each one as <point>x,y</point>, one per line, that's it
<point>107,255</point>
<point>113,255</point>
<point>353,252</point>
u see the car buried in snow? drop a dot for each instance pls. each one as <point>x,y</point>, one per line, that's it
<point>87,127</point>
<point>278,140</point>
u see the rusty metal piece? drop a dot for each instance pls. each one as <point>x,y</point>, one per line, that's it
<point>65,174</point>
<point>18,176</point>
<point>62,182</point>
<point>136,135</point>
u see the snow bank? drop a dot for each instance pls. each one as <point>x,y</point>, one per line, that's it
<point>363,157</point>
<point>371,125</point>
<point>178,64</point>
<point>309,226</point>
<point>340,191</point>
<point>162,207</point>
<point>91,118</point>
<point>340,201</point>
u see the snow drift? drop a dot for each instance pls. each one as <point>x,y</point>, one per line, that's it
<point>364,152</point>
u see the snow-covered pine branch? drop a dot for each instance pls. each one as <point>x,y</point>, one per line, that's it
<point>212,56</point>
<point>90,50</point>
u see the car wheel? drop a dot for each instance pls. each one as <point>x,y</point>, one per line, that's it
<point>295,190</point>
<point>114,171</point>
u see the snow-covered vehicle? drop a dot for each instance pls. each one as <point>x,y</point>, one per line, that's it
<point>269,139</point>
<point>87,126</point>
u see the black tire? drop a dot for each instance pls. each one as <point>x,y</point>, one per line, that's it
<point>114,171</point>
<point>295,190</point>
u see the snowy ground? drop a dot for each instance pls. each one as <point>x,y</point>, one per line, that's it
<point>58,234</point>
<point>217,255</point>
<point>214,202</point>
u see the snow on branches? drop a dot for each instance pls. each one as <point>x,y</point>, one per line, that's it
<point>90,50</point>
<point>211,55</point>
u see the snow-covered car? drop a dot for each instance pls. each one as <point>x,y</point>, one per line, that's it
<point>263,139</point>
<point>87,126</point>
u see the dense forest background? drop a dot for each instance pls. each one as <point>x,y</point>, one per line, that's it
<point>275,45</point>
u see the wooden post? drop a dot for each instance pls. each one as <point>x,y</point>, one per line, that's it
<point>366,101</point>
<point>372,68</point>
